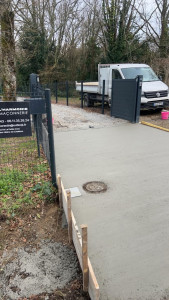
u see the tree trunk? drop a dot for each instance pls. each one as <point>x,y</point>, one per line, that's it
<point>8,56</point>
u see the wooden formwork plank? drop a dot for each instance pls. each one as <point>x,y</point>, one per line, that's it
<point>59,190</point>
<point>93,290</point>
<point>93,287</point>
<point>64,201</point>
<point>77,240</point>
<point>63,191</point>
<point>69,214</point>
<point>85,269</point>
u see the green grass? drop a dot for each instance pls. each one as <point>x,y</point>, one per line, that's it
<point>13,150</point>
<point>41,168</point>
<point>24,177</point>
<point>15,194</point>
<point>10,181</point>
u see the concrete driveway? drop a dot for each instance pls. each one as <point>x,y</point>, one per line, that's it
<point>128,225</point>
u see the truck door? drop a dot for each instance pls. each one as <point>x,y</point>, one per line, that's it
<point>114,74</point>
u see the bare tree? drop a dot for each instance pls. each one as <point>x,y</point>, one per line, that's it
<point>8,51</point>
<point>157,32</point>
<point>163,17</point>
<point>120,28</point>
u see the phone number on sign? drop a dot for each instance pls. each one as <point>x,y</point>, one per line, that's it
<point>18,121</point>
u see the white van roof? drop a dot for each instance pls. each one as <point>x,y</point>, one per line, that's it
<point>123,65</point>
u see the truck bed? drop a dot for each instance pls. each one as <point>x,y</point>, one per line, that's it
<point>88,87</point>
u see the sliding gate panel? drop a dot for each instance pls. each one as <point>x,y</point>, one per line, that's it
<point>126,98</point>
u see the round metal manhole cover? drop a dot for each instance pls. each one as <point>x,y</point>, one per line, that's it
<point>95,187</point>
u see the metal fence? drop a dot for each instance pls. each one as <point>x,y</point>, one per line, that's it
<point>18,153</point>
<point>64,92</point>
<point>27,164</point>
<point>122,102</point>
<point>25,153</point>
<point>40,108</point>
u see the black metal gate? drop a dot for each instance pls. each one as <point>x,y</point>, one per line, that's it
<point>40,109</point>
<point>126,98</point>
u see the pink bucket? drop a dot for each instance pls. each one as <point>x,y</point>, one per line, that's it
<point>164,115</point>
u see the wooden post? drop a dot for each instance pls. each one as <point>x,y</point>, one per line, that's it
<point>85,258</point>
<point>69,214</point>
<point>59,190</point>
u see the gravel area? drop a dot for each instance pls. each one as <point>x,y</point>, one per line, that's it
<point>71,118</point>
<point>36,271</point>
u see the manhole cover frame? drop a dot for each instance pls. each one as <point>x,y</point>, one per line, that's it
<point>102,189</point>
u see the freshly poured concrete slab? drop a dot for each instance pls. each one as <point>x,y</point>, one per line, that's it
<point>128,225</point>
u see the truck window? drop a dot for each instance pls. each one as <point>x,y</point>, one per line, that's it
<point>116,74</point>
<point>147,72</point>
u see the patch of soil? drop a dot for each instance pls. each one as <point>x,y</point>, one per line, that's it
<point>31,226</point>
<point>27,232</point>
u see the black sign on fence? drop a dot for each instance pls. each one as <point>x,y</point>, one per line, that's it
<point>14,119</point>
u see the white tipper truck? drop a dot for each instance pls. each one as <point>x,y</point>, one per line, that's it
<point>155,93</point>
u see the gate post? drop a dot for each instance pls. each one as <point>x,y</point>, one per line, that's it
<point>50,136</point>
<point>56,90</point>
<point>67,93</point>
<point>35,87</point>
<point>103,92</point>
<point>81,94</point>
<point>139,80</point>
<point>111,108</point>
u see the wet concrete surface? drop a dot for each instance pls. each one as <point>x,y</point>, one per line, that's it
<point>128,225</point>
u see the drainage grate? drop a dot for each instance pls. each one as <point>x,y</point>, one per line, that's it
<point>95,187</point>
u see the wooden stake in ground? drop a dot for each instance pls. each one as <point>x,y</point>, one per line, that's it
<point>69,214</point>
<point>59,190</point>
<point>85,258</point>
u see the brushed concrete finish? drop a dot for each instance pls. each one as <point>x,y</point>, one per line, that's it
<point>128,226</point>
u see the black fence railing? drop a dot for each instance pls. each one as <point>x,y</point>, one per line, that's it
<point>67,93</point>
<point>14,151</point>
<point>40,108</point>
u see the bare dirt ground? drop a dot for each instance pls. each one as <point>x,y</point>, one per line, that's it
<point>36,260</point>
<point>29,239</point>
